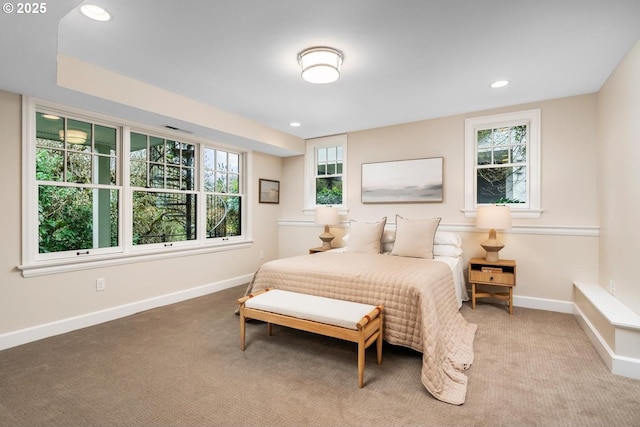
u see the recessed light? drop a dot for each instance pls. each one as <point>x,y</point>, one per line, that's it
<point>295,124</point>
<point>95,12</point>
<point>500,83</point>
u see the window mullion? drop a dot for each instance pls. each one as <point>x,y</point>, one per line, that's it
<point>126,200</point>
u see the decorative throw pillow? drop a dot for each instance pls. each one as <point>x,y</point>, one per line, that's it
<point>365,237</point>
<point>388,237</point>
<point>414,237</point>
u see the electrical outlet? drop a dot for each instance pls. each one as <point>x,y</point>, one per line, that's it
<point>101,284</point>
<point>261,254</point>
<point>612,287</point>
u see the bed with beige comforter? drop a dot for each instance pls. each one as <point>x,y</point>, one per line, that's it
<point>420,305</point>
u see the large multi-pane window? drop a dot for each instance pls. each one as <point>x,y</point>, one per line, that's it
<point>502,162</point>
<point>222,192</point>
<point>326,172</point>
<point>76,167</point>
<point>95,187</point>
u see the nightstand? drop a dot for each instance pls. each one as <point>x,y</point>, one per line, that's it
<point>501,273</point>
<point>318,249</point>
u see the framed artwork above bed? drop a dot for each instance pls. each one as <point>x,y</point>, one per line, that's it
<point>403,181</point>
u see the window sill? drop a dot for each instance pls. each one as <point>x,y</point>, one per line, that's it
<point>312,211</point>
<point>515,213</point>
<point>54,267</point>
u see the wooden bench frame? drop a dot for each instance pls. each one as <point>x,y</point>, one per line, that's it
<point>369,329</point>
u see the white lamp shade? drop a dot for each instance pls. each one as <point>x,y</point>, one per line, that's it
<point>326,215</point>
<point>320,64</point>
<point>493,217</point>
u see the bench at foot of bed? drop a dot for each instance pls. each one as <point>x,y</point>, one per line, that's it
<point>350,321</point>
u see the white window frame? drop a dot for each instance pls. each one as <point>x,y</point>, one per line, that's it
<point>242,193</point>
<point>128,238</point>
<point>34,265</point>
<point>531,118</point>
<point>30,188</point>
<point>310,167</point>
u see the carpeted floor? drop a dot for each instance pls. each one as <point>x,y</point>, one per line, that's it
<point>181,365</point>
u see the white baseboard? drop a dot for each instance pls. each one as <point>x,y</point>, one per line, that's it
<point>23,336</point>
<point>543,304</point>
<point>618,365</point>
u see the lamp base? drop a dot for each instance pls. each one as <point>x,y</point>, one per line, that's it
<point>492,246</point>
<point>326,238</point>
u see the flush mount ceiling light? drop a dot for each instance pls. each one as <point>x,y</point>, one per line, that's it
<point>74,136</point>
<point>499,83</point>
<point>320,64</point>
<point>95,12</point>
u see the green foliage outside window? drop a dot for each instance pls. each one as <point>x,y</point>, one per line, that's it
<point>73,213</point>
<point>329,191</point>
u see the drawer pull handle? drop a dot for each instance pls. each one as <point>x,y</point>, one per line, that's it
<point>491,278</point>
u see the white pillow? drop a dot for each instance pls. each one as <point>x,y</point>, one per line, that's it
<point>447,238</point>
<point>414,237</point>
<point>365,237</point>
<point>447,250</point>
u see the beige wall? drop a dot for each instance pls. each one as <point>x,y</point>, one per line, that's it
<point>29,302</point>
<point>588,180</point>
<point>551,251</point>
<point>619,178</point>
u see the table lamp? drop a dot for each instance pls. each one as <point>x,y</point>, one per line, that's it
<point>326,215</point>
<point>493,217</point>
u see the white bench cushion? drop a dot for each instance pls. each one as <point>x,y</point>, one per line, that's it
<point>345,314</point>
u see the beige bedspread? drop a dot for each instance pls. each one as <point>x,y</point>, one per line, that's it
<point>419,301</point>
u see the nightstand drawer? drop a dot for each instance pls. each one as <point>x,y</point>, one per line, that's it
<point>492,277</point>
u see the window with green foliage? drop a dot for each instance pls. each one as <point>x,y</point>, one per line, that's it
<point>325,175</point>
<point>99,190</point>
<point>76,166</point>
<point>329,164</point>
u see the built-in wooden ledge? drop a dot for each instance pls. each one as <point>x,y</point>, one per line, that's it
<point>614,329</point>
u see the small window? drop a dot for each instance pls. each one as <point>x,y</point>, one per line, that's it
<point>502,158</point>
<point>325,173</point>
<point>501,165</point>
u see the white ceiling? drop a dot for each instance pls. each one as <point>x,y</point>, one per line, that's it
<point>405,60</point>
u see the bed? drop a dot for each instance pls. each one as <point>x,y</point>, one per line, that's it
<point>421,294</point>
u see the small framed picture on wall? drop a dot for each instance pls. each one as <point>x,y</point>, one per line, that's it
<point>269,191</point>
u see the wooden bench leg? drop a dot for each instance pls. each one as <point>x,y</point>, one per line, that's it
<point>242,327</point>
<point>361,352</point>
<point>379,342</point>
